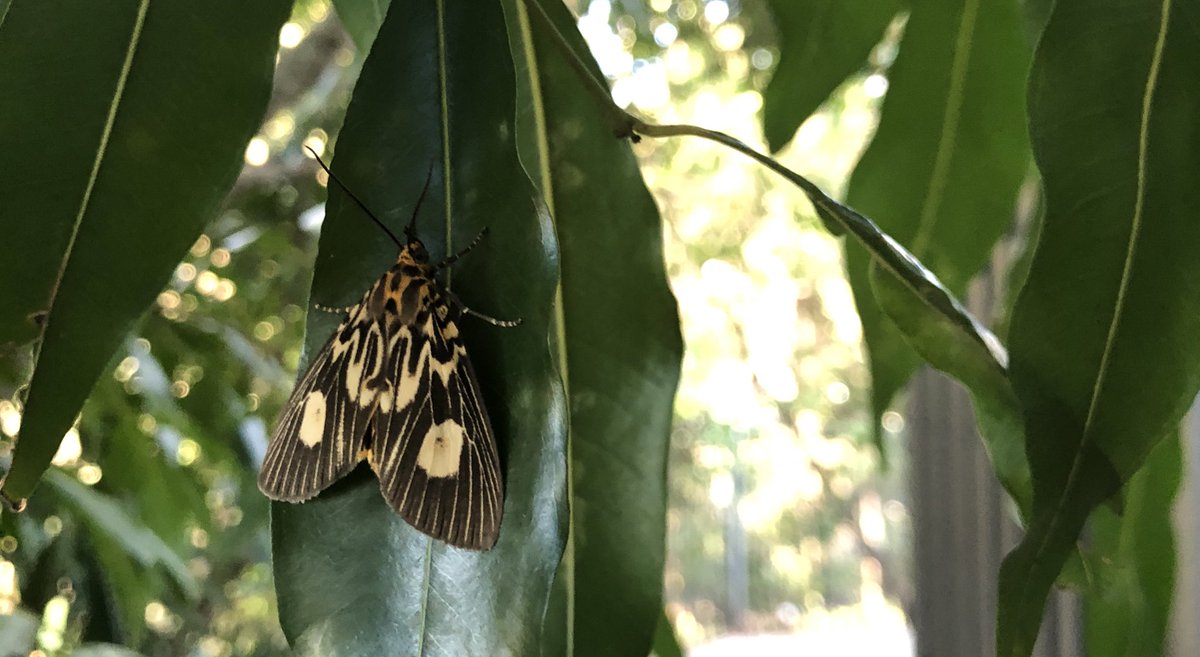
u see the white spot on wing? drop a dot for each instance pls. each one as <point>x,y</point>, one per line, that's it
<point>312,427</point>
<point>441,449</point>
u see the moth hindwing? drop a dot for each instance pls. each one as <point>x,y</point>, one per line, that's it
<point>394,385</point>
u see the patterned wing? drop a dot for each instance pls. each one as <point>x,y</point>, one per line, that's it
<point>435,453</point>
<point>320,433</point>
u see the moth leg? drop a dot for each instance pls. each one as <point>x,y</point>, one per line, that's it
<point>454,258</point>
<point>462,308</point>
<point>330,309</point>
<point>504,323</point>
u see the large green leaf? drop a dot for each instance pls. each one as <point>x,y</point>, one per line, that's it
<point>1105,356</point>
<point>821,43</point>
<point>1128,611</point>
<point>437,90</point>
<point>941,174</point>
<point>123,125</point>
<point>622,350</point>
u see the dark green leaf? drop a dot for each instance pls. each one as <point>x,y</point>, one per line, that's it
<point>821,43</point>
<point>1127,613</point>
<point>1105,358</point>
<point>622,350</point>
<point>942,172</point>
<point>352,577</point>
<point>104,193</point>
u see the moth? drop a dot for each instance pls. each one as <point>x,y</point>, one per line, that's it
<point>394,386</point>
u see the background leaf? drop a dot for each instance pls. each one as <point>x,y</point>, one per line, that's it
<point>821,43</point>
<point>351,575</point>
<point>1128,611</point>
<point>1104,356</point>
<point>362,19</point>
<point>942,172</point>
<point>622,350</point>
<point>115,185</point>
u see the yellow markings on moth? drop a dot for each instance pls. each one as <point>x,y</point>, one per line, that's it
<point>441,449</point>
<point>312,427</point>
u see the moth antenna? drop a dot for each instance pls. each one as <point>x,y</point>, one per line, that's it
<point>357,200</point>
<point>410,231</point>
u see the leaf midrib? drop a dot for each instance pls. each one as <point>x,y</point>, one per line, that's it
<point>938,179</point>
<point>101,150</point>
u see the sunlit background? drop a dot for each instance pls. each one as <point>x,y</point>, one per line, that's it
<point>785,534</point>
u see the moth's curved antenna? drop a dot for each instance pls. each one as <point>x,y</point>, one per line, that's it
<point>357,200</point>
<point>410,231</point>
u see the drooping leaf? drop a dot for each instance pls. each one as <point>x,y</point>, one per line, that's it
<point>1128,611</point>
<point>956,349</point>
<point>942,172</point>
<point>104,193</point>
<point>622,349</point>
<point>1103,338</point>
<point>821,43</point>
<point>437,92</point>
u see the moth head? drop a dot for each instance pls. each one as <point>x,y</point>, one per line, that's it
<point>414,253</point>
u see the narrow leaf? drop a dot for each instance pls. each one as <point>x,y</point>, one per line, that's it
<point>821,43</point>
<point>1105,357</point>
<point>352,577</point>
<point>622,349</point>
<point>942,172</point>
<point>102,515</point>
<point>104,191</point>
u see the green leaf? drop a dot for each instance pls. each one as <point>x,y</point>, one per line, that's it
<point>1128,612</point>
<point>942,172</point>
<point>821,43</point>
<point>352,577</point>
<point>622,349</point>
<point>362,19</point>
<point>665,643</point>
<point>1103,340</point>
<point>107,189</point>
<point>971,354</point>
